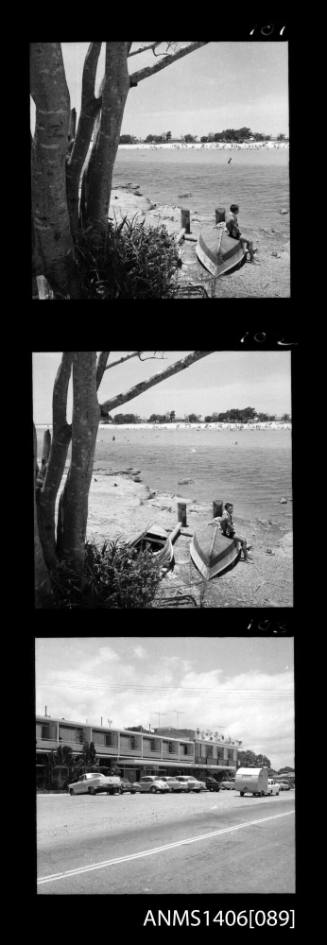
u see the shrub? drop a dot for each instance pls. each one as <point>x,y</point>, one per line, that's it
<point>129,261</point>
<point>116,576</point>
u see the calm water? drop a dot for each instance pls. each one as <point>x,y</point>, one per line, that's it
<point>256,180</point>
<point>251,469</point>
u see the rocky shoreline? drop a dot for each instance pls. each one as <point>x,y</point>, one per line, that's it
<point>268,275</point>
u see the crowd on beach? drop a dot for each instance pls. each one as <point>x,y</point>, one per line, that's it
<point>264,425</point>
<point>216,145</point>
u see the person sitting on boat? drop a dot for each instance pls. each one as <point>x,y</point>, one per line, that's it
<point>227,528</point>
<point>234,231</point>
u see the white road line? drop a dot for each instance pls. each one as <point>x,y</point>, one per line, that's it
<point>167,846</point>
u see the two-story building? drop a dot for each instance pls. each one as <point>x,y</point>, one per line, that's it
<point>135,751</point>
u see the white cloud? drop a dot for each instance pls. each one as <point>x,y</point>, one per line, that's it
<point>256,707</point>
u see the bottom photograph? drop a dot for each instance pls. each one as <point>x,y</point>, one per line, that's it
<point>165,765</point>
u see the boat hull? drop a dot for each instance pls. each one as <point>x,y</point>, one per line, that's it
<point>231,254</point>
<point>212,553</point>
<point>156,540</point>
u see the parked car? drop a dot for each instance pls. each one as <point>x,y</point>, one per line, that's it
<point>284,785</point>
<point>212,784</point>
<point>174,783</point>
<point>151,784</point>
<point>273,787</point>
<point>190,783</point>
<point>228,785</point>
<point>94,782</point>
<point>125,786</point>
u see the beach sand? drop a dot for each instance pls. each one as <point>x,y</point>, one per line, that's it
<point>267,277</point>
<point>122,507</point>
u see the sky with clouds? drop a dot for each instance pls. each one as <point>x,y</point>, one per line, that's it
<point>220,85</point>
<point>242,687</point>
<point>224,379</point>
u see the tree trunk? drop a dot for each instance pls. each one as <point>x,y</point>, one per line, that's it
<point>54,246</point>
<point>89,109</point>
<point>61,437</point>
<point>43,592</point>
<point>100,169</point>
<point>74,500</point>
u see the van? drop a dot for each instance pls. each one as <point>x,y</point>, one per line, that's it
<point>252,781</point>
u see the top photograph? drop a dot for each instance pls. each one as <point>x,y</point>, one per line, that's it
<point>160,170</point>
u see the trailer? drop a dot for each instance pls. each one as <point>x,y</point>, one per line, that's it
<point>252,781</point>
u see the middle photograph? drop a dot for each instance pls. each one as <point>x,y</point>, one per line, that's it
<point>163,479</point>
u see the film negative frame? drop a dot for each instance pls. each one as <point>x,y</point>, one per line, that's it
<point>248,622</point>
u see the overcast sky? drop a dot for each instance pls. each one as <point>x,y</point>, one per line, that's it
<point>223,380</point>
<point>242,687</point>
<point>220,85</point>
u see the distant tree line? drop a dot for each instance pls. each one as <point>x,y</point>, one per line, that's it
<point>235,415</point>
<point>238,135</point>
<point>243,415</point>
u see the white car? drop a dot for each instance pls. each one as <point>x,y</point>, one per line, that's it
<point>93,783</point>
<point>174,783</point>
<point>190,783</point>
<point>152,785</point>
<point>273,787</point>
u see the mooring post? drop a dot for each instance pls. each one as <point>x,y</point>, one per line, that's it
<point>217,507</point>
<point>220,214</point>
<point>181,513</point>
<point>186,220</point>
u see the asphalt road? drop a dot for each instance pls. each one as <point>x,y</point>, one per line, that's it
<point>182,843</point>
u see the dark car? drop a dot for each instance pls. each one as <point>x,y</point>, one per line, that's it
<point>125,786</point>
<point>212,784</point>
<point>228,785</point>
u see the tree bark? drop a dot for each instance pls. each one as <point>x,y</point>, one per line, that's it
<point>74,500</point>
<point>43,591</point>
<point>89,109</point>
<point>54,245</point>
<point>152,381</point>
<point>61,437</point>
<point>100,168</point>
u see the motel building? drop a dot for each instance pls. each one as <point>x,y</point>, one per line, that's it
<point>133,752</point>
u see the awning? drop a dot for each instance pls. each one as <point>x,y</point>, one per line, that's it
<point>172,764</point>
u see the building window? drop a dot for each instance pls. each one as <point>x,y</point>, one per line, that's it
<point>45,731</point>
<point>152,744</point>
<point>108,740</point>
<point>170,747</point>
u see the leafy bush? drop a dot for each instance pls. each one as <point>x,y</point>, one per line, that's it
<point>129,261</point>
<point>116,576</point>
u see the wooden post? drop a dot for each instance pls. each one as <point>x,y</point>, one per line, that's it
<point>181,513</point>
<point>186,220</point>
<point>217,507</point>
<point>220,214</point>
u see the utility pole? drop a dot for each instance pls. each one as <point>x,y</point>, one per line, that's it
<point>109,722</point>
<point>159,714</point>
<point>177,716</point>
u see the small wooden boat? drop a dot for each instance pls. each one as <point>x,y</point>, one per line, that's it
<point>211,552</point>
<point>159,542</point>
<point>217,251</point>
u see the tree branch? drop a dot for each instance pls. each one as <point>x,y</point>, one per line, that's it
<point>109,405</point>
<point>133,354</point>
<point>142,49</point>
<point>141,74</point>
<point>101,367</point>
